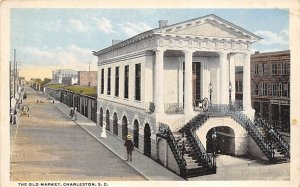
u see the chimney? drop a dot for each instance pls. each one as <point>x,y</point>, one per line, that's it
<point>114,42</point>
<point>163,23</point>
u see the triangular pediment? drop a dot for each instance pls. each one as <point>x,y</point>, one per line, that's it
<point>209,26</point>
<point>210,30</point>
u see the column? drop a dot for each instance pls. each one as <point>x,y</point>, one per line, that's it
<point>246,84</point>
<point>188,82</point>
<point>232,76</point>
<point>159,79</point>
<point>224,80</point>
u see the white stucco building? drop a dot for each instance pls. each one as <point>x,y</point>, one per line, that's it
<point>173,68</point>
<point>65,76</point>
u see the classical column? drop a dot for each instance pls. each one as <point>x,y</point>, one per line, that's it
<point>188,82</point>
<point>246,84</point>
<point>232,76</point>
<point>159,81</point>
<point>224,79</point>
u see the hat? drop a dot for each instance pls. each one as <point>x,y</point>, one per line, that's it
<point>129,136</point>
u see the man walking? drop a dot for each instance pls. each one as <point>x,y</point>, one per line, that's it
<point>129,147</point>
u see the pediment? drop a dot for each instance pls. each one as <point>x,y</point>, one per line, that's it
<point>210,30</point>
<point>210,26</point>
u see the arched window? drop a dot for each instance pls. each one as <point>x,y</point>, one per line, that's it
<point>124,128</point>
<point>107,121</point>
<point>115,124</point>
<point>136,133</point>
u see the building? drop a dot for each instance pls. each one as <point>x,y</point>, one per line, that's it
<point>70,80</point>
<point>69,76</point>
<point>270,87</point>
<point>87,78</point>
<point>157,85</point>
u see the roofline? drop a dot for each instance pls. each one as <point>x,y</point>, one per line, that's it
<point>152,31</point>
<point>271,53</point>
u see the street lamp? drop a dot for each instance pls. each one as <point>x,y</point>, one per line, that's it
<point>230,90</point>
<point>210,92</point>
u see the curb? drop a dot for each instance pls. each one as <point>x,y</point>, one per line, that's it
<point>109,148</point>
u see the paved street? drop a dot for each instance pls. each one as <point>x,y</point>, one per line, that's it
<point>47,145</point>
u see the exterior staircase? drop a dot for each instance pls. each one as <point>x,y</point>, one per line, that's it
<point>191,156</point>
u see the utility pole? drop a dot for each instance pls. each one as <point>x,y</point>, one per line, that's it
<point>15,73</point>
<point>10,84</point>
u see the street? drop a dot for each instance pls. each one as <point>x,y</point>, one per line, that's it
<point>47,145</point>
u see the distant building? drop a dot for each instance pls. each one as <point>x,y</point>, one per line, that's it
<point>65,76</point>
<point>70,80</point>
<point>270,87</point>
<point>87,78</point>
<point>22,81</point>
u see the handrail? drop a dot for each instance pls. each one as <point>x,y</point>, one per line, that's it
<point>263,123</point>
<point>165,132</point>
<point>209,160</point>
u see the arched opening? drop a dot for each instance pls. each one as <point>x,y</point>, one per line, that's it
<point>124,128</point>
<point>107,121</point>
<point>101,117</point>
<point>136,133</point>
<point>147,140</point>
<point>115,124</point>
<point>221,140</point>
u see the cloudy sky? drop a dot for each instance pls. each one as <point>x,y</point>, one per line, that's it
<point>48,39</point>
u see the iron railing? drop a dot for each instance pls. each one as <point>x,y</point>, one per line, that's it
<point>166,133</point>
<point>173,108</point>
<point>276,136</point>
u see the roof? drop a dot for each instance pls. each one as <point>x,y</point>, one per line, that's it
<point>159,30</point>
<point>272,53</point>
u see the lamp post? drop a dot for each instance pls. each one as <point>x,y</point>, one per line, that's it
<point>210,92</point>
<point>230,90</point>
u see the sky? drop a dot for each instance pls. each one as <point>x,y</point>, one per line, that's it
<point>49,39</point>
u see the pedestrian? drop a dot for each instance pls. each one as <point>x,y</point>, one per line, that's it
<point>129,147</point>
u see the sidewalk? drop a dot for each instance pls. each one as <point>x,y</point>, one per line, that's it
<point>147,167</point>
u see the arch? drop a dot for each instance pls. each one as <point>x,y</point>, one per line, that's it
<point>136,133</point>
<point>161,151</point>
<point>237,131</point>
<point>115,124</point>
<point>101,117</point>
<point>124,127</point>
<point>147,140</point>
<point>221,140</point>
<point>107,120</point>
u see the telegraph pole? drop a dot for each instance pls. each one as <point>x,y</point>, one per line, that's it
<point>15,73</point>
<point>10,84</point>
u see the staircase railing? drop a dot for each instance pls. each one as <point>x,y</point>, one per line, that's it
<point>166,133</point>
<point>200,150</point>
<point>278,138</point>
<point>236,113</point>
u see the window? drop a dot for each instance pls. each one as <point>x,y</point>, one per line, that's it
<point>240,86</point>
<point>256,69</point>
<point>102,81</point>
<point>256,89</point>
<point>280,89</point>
<point>283,69</point>
<point>286,90</point>
<point>108,80</point>
<point>264,89</point>
<point>117,82</point>
<point>138,82</point>
<point>274,69</point>
<point>264,69</point>
<point>273,89</point>
<point>126,79</point>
